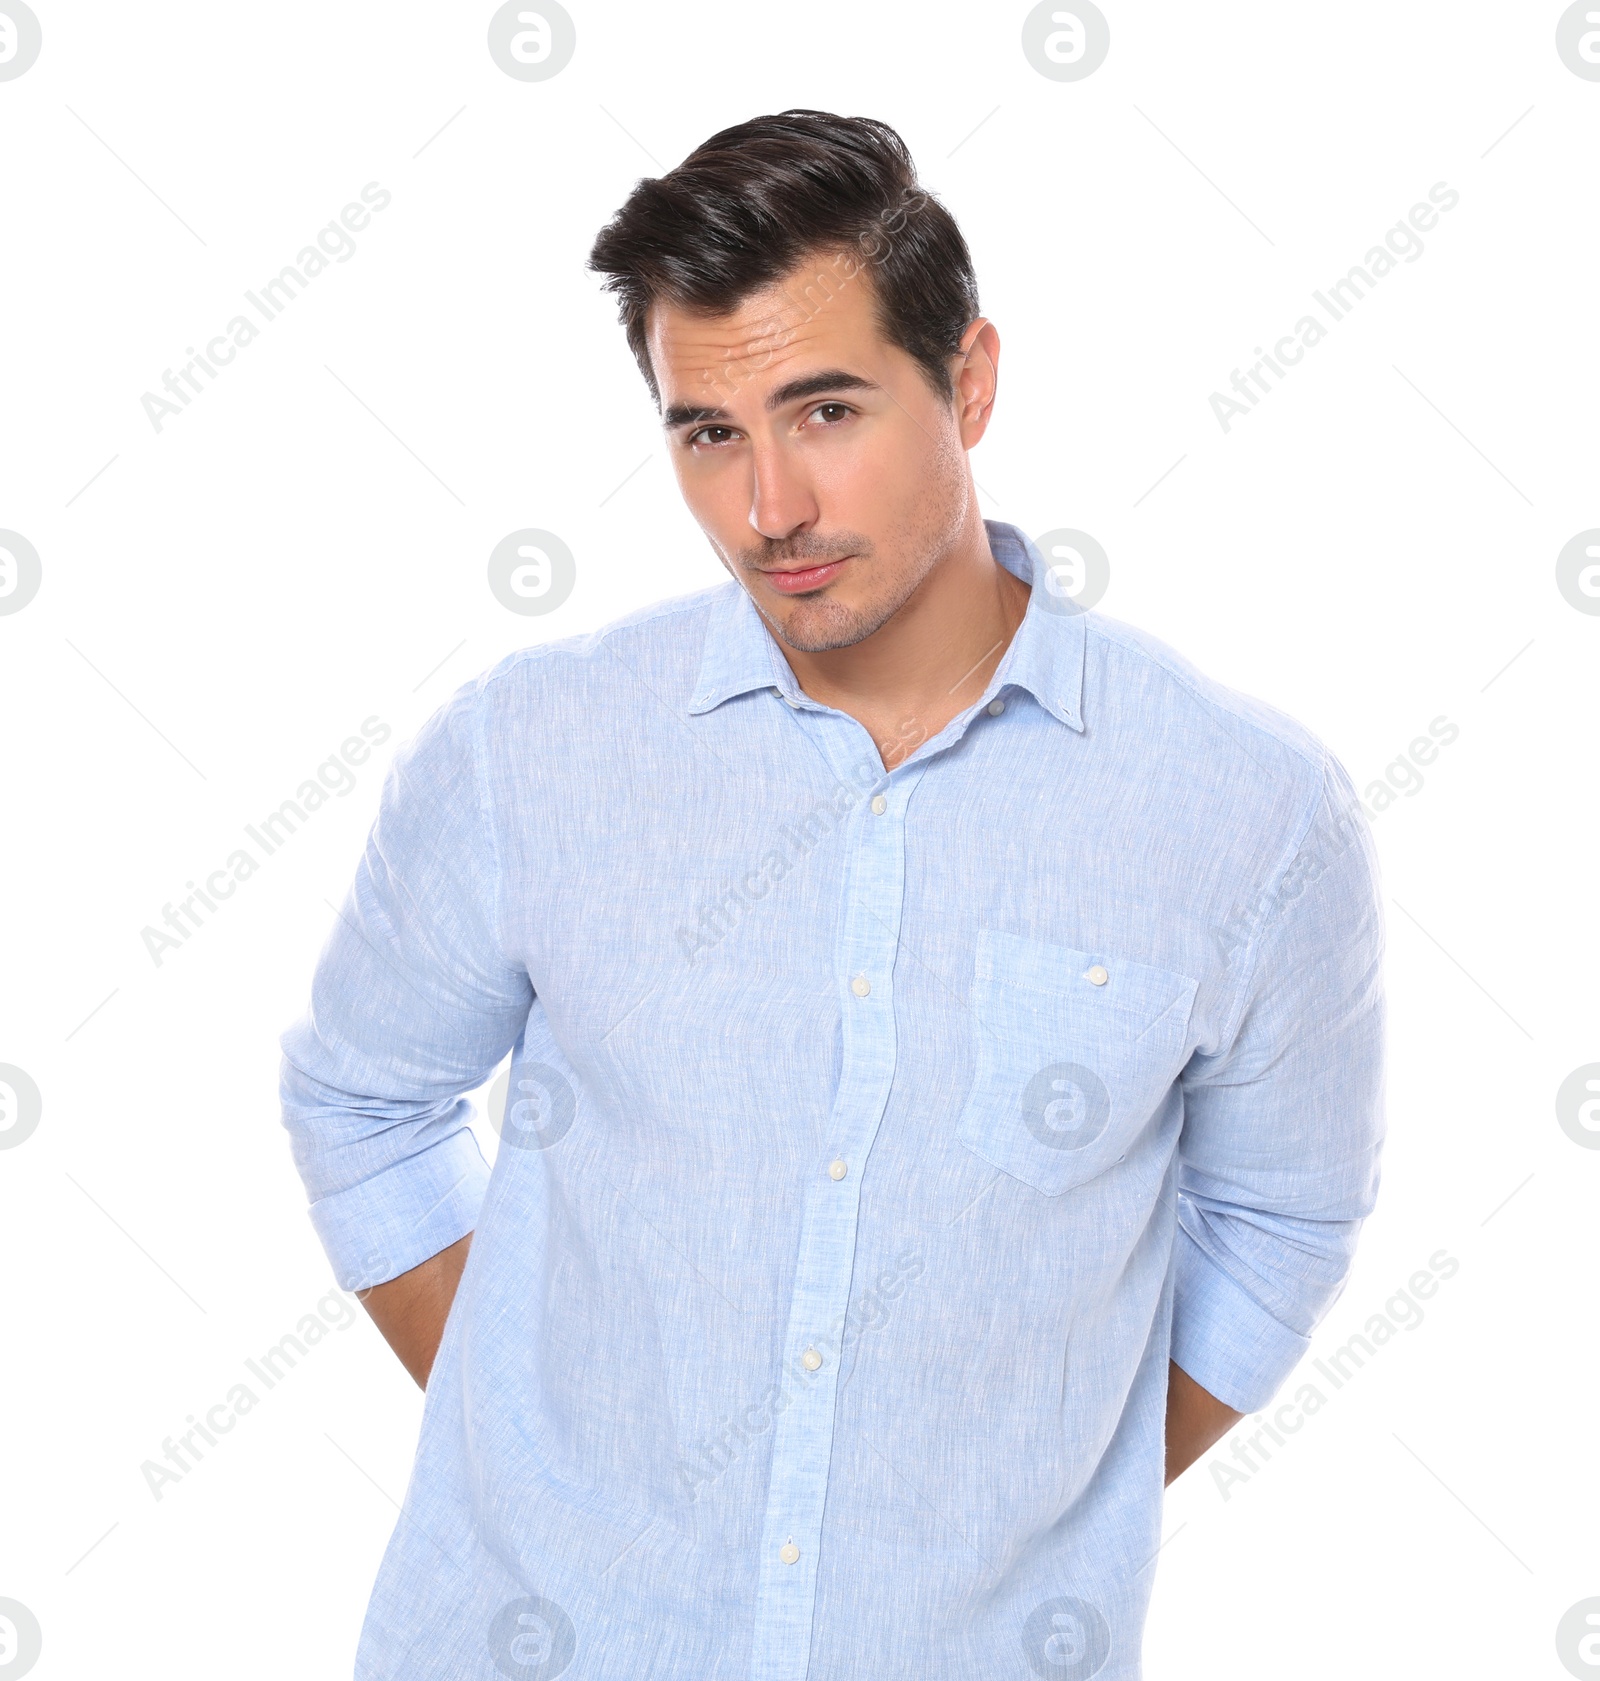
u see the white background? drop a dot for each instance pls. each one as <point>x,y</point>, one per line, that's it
<point>224,601</point>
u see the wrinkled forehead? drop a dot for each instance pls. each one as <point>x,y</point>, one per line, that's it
<point>820,315</point>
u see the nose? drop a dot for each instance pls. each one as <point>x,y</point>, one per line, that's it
<point>782,501</point>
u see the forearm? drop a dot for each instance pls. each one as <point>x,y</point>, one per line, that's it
<point>1195,1419</point>
<point>411,1310</point>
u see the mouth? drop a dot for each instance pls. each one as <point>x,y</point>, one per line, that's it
<point>800,580</point>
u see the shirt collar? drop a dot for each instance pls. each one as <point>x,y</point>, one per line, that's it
<point>1045,656</point>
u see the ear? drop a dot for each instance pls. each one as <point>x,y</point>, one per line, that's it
<point>977,376</point>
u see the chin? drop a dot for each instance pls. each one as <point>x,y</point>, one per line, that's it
<point>821,625</point>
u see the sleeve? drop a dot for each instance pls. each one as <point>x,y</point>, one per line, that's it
<point>413,1003</point>
<point>1284,1124</point>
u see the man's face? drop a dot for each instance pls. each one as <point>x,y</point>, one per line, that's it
<point>827,473</point>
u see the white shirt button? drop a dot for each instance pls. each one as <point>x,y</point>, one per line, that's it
<point>789,1552</point>
<point>1097,976</point>
<point>879,805</point>
<point>861,986</point>
<point>995,708</point>
<point>811,1360</point>
<point>789,700</point>
<point>837,1170</point>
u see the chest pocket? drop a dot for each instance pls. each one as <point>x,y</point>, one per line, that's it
<point>1074,1051</point>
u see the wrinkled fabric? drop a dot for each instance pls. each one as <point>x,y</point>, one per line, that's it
<point>872,1140</point>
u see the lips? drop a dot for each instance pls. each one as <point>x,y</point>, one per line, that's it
<point>802,579</point>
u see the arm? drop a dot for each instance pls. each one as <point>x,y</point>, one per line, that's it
<point>1195,1419</point>
<point>411,1310</point>
<point>413,1004</point>
<point>1283,1127</point>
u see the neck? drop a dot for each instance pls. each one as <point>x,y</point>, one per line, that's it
<point>933,659</point>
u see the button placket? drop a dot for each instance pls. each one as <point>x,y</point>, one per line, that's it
<point>803,1433</point>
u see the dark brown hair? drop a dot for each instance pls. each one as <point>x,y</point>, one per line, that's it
<point>752,202</point>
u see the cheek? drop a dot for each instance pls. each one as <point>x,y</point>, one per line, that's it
<point>914,480</point>
<point>890,466</point>
<point>715,490</point>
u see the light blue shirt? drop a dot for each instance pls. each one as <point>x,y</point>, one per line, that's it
<point>873,1140</point>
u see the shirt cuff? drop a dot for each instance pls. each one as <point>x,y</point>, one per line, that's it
<point>399,1218</point>
<point>1224,1338</point>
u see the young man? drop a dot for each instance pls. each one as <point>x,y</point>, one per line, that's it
<point>946,1030</point>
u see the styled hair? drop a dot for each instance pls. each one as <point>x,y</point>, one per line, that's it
<point>747,206</point>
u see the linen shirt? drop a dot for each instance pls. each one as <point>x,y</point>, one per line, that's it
<point>873,1138</point>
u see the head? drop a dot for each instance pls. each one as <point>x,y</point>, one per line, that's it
<point>806,319</point>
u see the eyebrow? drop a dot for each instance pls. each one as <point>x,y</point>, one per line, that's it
<point>810,385</point>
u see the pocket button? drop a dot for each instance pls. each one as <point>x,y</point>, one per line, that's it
<point>1067,1069</point>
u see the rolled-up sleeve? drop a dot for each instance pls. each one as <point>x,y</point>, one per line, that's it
<point>1283,1124</point>
<point>413,1003</point>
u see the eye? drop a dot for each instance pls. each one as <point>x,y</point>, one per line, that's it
<point>702,434</point>
<point>830,413</point>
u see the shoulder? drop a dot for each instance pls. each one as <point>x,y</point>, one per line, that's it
<point>570,688</point>
<point>1264,764</point>
<point>591,679</point>
<point>669,631</point>
<point>1138,669</point>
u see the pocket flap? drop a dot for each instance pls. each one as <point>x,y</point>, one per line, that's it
<point>1074,1052</point>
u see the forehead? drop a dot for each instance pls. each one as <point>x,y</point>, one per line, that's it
<point>821,314</point>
